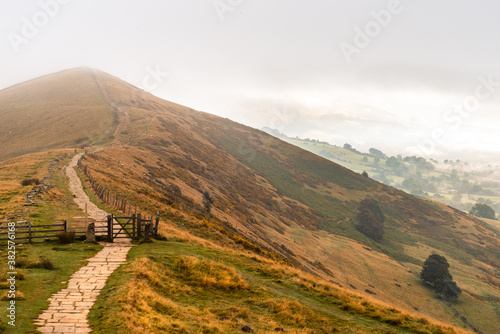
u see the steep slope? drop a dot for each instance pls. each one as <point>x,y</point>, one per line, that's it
<point>288,200</point>
<point>273,197</point>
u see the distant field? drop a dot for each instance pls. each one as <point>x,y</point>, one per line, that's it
<point>459,190</point>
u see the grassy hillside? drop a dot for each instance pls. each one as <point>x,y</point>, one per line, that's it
<point>56,111</point>
<point>342,260</point>
<point>55,205</point>
<point>288,200</point>
<point>179,286</point>
<point>285,204</point>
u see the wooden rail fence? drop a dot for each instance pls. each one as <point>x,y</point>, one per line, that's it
<point>122,204</point>
<point>28,231</point>
<point>135,227</point>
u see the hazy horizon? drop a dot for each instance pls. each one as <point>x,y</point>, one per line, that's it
<point>415,78</point>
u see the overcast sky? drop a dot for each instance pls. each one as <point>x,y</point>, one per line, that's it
<point>412,77</point>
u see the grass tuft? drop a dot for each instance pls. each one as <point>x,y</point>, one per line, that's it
<point>210,274</point>
<point>66,237</point>
<point>45,263</point>
<point>29,182</point>
<point>291,313</point>
<point>5,296</point>
<point>28,263</point>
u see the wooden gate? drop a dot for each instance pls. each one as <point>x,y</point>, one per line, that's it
<point>122,227</point>
<point>133,227</point>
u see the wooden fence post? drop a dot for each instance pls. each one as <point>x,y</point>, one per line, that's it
<point>147,229</point>
<point>29,232</point>
<point>65,226</point>
<point>151,225</point>
<point>134,219</point>
<point>86,216</point>
<point>139,221</point>
<point>157,222</point>
<point>110,228</point>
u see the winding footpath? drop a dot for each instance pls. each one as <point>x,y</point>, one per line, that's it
<point>121,115</point>
<point>81,198</point>
<point>69,308</point>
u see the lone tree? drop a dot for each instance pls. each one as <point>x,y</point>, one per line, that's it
<point>372,205</point>
<point>365,174</point>
<point>483,211</point>
<point>207,201</point>
<point>449,290</point>
<point>436,275</point>
<point>371,219</point>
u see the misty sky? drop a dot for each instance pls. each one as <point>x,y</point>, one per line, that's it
<point>411,77</point>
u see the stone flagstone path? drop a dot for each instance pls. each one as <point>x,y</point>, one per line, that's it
<point>69,308</point>
<point>81,198</point>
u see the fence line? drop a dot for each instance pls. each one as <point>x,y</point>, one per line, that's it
<point>116,201</point>
<point>142,226</point>
<point>33,231</point>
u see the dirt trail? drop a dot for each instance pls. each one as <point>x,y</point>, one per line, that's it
<point>121,115</point>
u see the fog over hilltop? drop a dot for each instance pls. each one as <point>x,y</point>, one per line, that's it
<point>410,77</point>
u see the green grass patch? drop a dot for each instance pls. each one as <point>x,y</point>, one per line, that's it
<point>40,281</point>
<point>391,244</point>
<point>280,177</point>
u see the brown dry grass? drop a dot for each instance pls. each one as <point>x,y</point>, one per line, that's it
<point>163,299</point>
<point>60,110</point>
<point>145,308</point>
<point>14,171</point>
<point>209,274</point>
<point>494,223</point>
<point>291,312</point>
<point>363,304</point>
<point>349,261</point>
<point>147,304</point>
